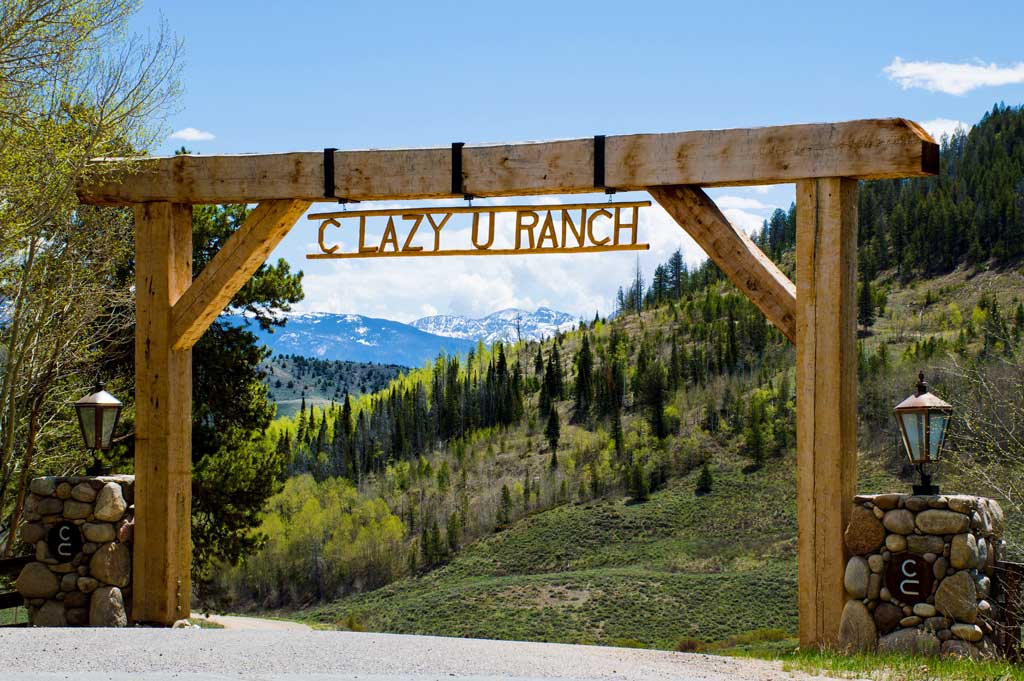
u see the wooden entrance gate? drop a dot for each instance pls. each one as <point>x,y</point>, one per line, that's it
<point>818,313</point>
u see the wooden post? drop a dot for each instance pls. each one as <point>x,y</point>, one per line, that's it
<point>1008,581</point>
<point>161,590</point>
<point>826,374</point>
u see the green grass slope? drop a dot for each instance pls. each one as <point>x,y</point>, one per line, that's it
<point>612,572</point>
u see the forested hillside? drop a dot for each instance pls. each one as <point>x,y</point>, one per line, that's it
<point>524,471</point>
<point>972,213</point>
<point>295,381</point>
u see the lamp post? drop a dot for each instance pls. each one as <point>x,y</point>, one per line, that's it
<point>923,419</point>
<point>98,413</point>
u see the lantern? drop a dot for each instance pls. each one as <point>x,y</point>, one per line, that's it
<point>923,419</point>
<point>97,417</point>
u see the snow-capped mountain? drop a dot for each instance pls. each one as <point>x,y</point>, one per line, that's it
<point>499,326</point>
<point>357,338</point>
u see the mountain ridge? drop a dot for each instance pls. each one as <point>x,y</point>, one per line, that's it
<point>355,338</point>
<point>543,322</point>
<point>359,338</point>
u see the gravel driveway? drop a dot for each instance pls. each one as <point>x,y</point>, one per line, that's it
<point>191,654</point>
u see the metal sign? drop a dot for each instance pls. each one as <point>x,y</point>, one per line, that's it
<point>418,232</point>
<point>909,578</point>
<point>64,541</point>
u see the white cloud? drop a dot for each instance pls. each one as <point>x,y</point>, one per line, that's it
<point>748,222</point>
<point>192,135</point>
<point>953,79</point>
<point>944,127</point>
<point>740,202</point>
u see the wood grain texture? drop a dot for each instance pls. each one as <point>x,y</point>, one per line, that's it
<point>864,149</point>
<point>734,252</point>
<point>458,210</point>
<point>163,423</point>
<point>826,366</point>
<point>477,251</point>
<point>234,264</point>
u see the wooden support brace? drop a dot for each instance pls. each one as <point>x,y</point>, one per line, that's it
<point>236,262</point>
<point>826,399</point>
<point>163,420</point>
<point>734,252</point>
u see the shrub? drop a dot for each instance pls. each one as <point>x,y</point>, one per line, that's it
<point>689,645</point>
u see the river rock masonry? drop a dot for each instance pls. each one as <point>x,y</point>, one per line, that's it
<point>919,579</point>
<point>81,529</point>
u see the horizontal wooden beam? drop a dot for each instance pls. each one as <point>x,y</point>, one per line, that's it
<point>864,149</point>
<point>462,210</point>
<point>478,251</point>
<point>237,260</point>
<point>736,255</point>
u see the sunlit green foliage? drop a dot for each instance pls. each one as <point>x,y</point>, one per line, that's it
<point>323,540</point>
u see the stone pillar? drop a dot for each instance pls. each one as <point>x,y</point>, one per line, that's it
<point>81,529</point>
<point>920,575</point>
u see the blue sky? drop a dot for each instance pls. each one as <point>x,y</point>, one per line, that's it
<point>262,77</point>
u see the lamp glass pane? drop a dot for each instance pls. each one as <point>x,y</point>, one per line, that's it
<point>937,432</point>
<point>109,419</point>
<point>913,425</point>
<point>87,421</point>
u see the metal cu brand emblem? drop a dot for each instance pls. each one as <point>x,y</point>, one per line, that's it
<point>64,541</point>
<point>909,578</point>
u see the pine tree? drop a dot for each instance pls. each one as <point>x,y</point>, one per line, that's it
<point>558,387</point>
<point>552,431</point>
<point>705,481</point>
<point>284,447</point>
<point>584,381</point>
<point>300,434</point>
<point>547,388</point>
<point>712,419</point>
<point>638,484</point>
<point>676,274</point>
<point>453,533</point>
<point>618,437</point>
<point>655,387</point>
<point>732,352</point>
<point>504,508</point>
<point>637,292</point>
<point>754,442</point>
<point>312,427</point>
<point>437,544</point>
<point>865,306</point>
